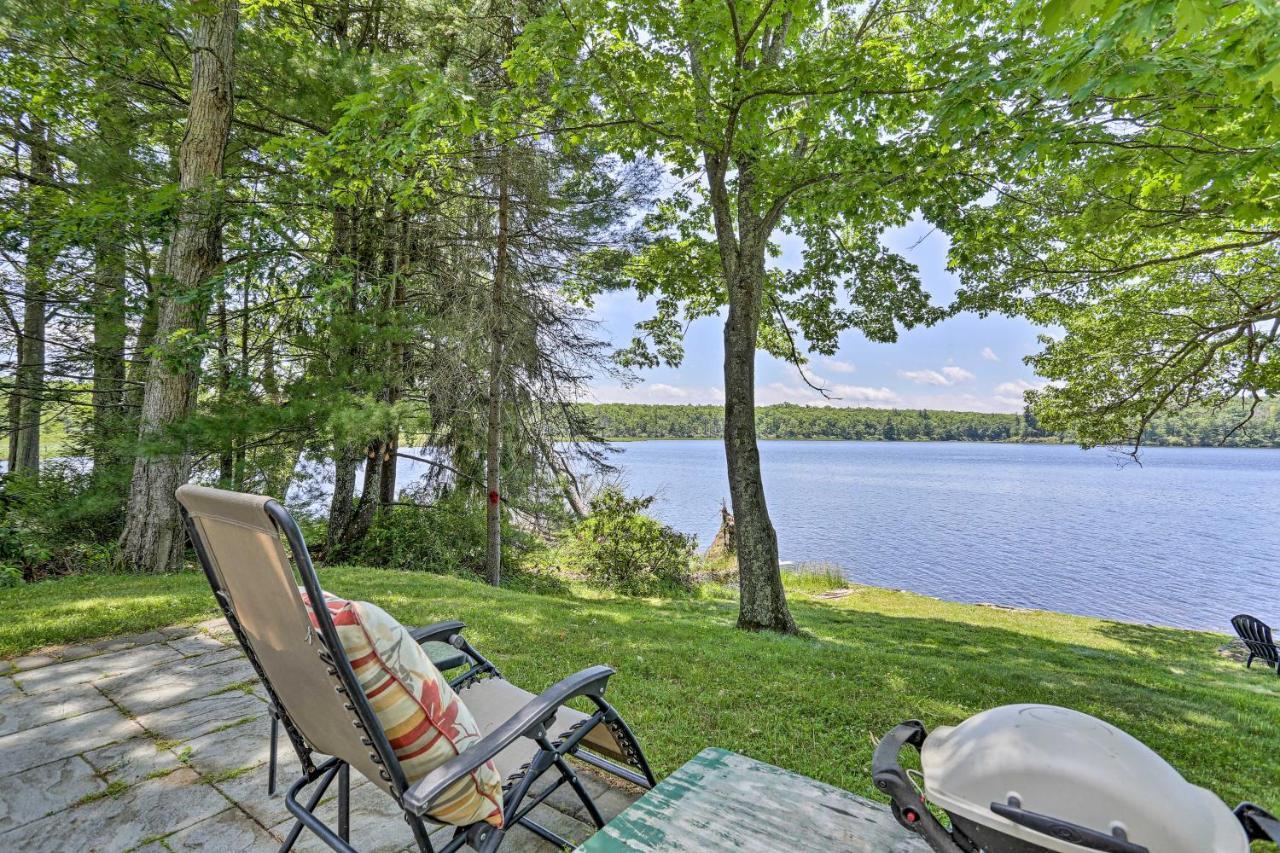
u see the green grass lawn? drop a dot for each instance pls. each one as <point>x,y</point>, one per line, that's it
<point>687,679</point>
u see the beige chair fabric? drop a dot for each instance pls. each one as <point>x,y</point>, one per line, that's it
<point>250,562</point>
<point>493,700</point>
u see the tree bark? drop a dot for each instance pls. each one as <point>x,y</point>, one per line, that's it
<point>14,404</point>
<point>152,539</point>
<point>493,425</point>
<point>763,602</point>
<point>109,332</point>
<point>35,291</point>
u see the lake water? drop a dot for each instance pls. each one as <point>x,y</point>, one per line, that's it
<point>1188,539</point>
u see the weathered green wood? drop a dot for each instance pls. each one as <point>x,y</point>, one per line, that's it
<point>721,800</point>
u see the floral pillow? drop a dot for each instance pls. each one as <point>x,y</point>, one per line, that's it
<point>425,721</point>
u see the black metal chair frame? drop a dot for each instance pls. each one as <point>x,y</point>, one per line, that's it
<point>1257,638</point>
<point>531,721</point>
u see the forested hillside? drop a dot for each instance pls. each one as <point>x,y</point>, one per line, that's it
<point>789,421</point>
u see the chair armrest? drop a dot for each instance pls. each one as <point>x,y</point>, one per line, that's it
<point>536,713</point>
<point>440,631</point>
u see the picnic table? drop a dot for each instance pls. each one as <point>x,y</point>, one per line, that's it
<point>721,800</point>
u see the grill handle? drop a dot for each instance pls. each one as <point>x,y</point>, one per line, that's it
<point>1056,827</point>
<point>907,803</point>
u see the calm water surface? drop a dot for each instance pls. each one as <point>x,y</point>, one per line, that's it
<point>1189,539</point>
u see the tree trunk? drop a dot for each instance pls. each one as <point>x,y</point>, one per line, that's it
<point>152,539</point>
<point>15,404</point>
<point>109,332</point>
<point>30,375</point>
<point>763,602</point>
<point>226,457</point>
<point>342,504</point>
<point>493,425</point>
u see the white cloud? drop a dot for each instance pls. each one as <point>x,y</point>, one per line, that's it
<point>845,395</point>
<point>989,354</point>
<point>1012,394</point>
<point>1018,386</point>
<point>836,366</point>
<point>924,377</point>
<point>665,390</point>
<point>864,394</point>
<point>956,374</point>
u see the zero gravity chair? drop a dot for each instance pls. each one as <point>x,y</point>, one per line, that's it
<point>315,693</point>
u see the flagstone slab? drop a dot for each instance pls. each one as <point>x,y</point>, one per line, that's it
<point>23,712</point>
<point>249,789</point>
<point>7,687</point>
<point>196,644</point>
<point>42,744</point>
<point>148,810</point>
<point>34,793</point>
<point>29,662</point>
<point>230,831</point>
<point>58,675</point>
<point>193,678</point>
<point>132,760</point>
<point>191,720</point>
<point>246,745</point>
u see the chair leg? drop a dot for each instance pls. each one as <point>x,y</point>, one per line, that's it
<point>292,837</point>
<point>275,740</point>
<point>344,802</point>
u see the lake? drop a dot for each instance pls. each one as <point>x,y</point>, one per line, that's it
<point>1189,539</point>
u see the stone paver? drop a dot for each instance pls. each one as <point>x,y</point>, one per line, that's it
<point>132,760</point>
<point>196,644</point>
<point>141,693</point>
<point>34,793</point>
<point>19,712</point>
<point>42,744</point>
<point>231,831</point>
<point>57,677</point>
<point>159,742</point>
<point>148,810</point>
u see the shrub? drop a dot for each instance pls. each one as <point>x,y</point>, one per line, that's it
<point>61,523</point>
<point>445,536</point>
<point>620,547</point>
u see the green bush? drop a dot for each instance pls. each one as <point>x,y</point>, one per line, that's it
<point>621,548</point>
<point>445,536</point>
<point>62,522</point>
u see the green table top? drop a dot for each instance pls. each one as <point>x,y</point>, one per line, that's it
<point>721,800</point>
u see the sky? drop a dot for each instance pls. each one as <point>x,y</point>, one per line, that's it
<point>965,363</point>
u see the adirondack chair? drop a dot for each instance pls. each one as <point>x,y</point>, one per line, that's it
<point>1256,636</point>
<point>297,652</point>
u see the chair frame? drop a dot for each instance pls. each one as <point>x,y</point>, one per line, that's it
<point>532,721</point>
<point>1257,638</point>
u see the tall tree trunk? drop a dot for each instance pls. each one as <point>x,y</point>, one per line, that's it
<point>226,458</point>
<point>493,425</point>
<point>152,539</point>
<point>14,405</point>
<point>35,292</point>
<point>763,603</point>
<point>107,173</point>
<point>109,332</point>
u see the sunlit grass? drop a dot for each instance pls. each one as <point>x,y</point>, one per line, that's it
<point>868,659</point>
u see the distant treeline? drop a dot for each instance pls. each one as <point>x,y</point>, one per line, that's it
<point>788,421</point>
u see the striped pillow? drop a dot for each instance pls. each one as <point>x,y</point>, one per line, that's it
<point>425,721</point>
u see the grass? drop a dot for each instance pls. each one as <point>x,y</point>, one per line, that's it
<point>872,658</point>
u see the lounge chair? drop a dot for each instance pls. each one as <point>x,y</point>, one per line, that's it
<point>314,691</point>
<point>1256,636</point>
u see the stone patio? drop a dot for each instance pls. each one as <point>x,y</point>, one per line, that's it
<point>159,742</point>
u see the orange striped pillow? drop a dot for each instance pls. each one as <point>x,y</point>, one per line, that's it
<point>423,717</point>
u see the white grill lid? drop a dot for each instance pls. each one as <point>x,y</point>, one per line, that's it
<point>1077,768</point>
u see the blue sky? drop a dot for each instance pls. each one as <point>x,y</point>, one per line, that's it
<point>966,363</point>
